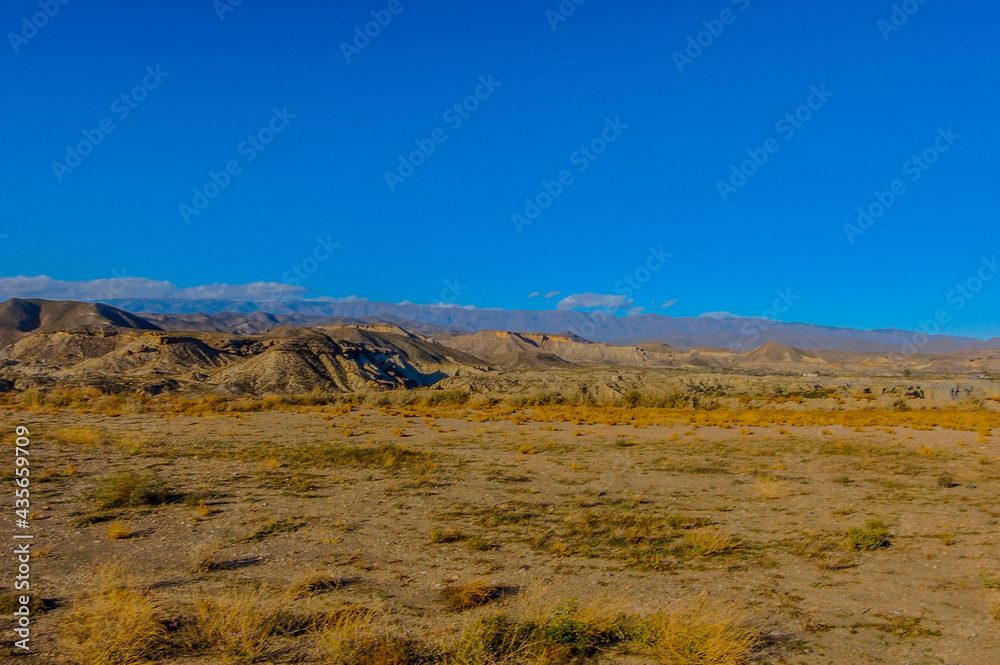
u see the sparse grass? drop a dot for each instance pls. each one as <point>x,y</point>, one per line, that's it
<point>625,529</point>
<point>945,481</point>
<point>947,539</point>
<point>271,527</point>
<point>480,544</point>
<point>874,536</point>
<point>581,515</point>
<point>901,626</point>
<point>314,584</point>
<point>385,455</point>
<point>771,489</point>
<point>203,559</point>
<point>447,536</point>
<point>129,489</point>
<point>113,624</point>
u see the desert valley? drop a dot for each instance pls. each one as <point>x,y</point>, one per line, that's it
<point>359,492</point>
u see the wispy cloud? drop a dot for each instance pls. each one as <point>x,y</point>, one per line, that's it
<point>552,294</point>
<point>669,303</point>
<point>534,294</point>
<point>593,301</point>
<point>43,286</point>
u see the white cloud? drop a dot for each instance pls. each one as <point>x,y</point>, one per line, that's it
<point>633,311</point>
<point>451,305</point>
<point>113,288</point>
<point>534,294</point>
<point>719,315</point>
<point>669,303</point>
<point>336,300</point>
<point>552,294</point>
<point>592,301</point>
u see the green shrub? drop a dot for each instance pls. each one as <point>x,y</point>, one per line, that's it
<point>130,488</point>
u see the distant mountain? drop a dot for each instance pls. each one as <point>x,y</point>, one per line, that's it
<point>46,344</point>
<point>20,318</point>
<point>737,334</point>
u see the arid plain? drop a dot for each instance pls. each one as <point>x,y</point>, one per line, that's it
<point>529,506</point>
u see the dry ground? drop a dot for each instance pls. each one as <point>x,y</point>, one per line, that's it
<point>316,523</point>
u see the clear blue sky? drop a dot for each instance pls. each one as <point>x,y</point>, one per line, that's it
<point>324,174</point>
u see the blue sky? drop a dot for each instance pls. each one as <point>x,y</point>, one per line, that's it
<point>597,99</point>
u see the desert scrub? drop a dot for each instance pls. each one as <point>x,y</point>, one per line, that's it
<point>471,595</point>
<point>129,488</point>
<point>113,624</point>
<point>693,632</point>
<point>625,529</point>
<point>78,436</point>
<point>360,636</point>
<point>945,481</point>
<point>385,455</point>
<point>447,398</point>
<point>238,625</point>
<point>566,634</point>
<point>874,536</point>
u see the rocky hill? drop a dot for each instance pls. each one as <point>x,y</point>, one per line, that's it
<point>47,344</point>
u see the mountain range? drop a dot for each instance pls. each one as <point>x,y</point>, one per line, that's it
<point>51,344</point>
<point>736,334</point>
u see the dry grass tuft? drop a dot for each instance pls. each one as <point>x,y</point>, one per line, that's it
<point>78,436</point>
<point>129,488</point>
<point>874,536</point>
<point>119,531</point>
<point>239,624</point>
<point>360,636</point>
<point>114,624</point>
<point>204,510</point>
<point>710,542</point>
<point>473,594</point>
<point>700,633</point>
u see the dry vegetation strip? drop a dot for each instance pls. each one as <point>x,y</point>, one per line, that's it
<point>122,623</point>
<point>636,410</point>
